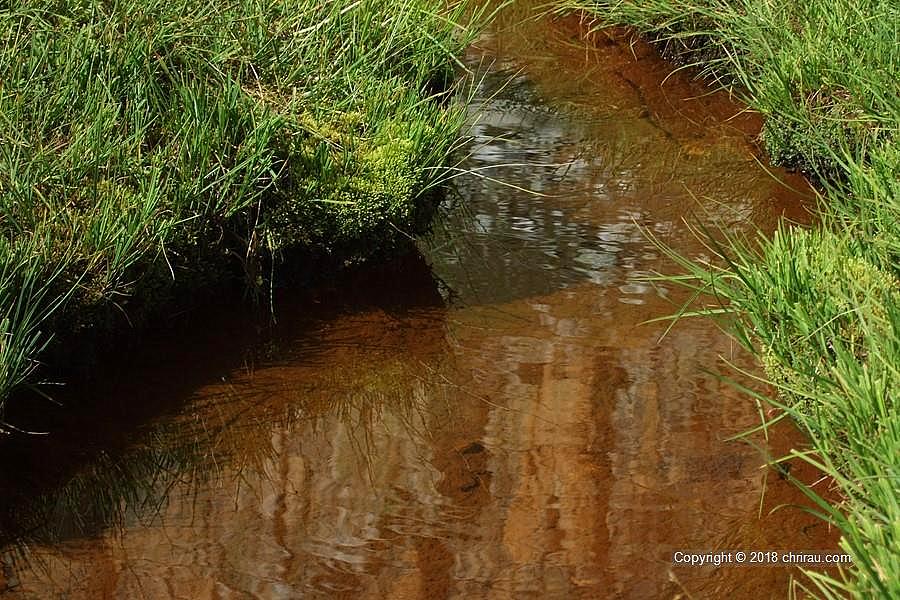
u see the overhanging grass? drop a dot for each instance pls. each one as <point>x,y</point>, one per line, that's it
<point>820,308</point>
<point>823,73</point>
<point>150,144</point>
<point>825,322</point>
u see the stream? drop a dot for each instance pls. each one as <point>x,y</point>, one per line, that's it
<point>491,418</point>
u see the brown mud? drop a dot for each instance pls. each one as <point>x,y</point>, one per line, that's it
<point>498,423</point>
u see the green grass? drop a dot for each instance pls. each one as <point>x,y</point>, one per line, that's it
<point>154,145</point>
<point>825,322</point>
<point>820,307</point>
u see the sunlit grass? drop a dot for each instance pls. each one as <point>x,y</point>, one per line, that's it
<point>147,145</point>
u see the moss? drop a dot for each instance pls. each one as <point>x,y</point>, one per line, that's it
<point>351,184</point>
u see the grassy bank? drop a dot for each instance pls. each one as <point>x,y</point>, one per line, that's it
<point>152,146</point>
<point>821,308</point>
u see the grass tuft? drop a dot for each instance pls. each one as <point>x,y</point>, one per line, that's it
<point>148,145</point>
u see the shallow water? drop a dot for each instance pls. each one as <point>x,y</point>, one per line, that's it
<point>494,421</point>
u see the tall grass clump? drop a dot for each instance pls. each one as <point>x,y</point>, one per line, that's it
<point>148,146</point>
<point>824,318</point>
<point>820,307</point>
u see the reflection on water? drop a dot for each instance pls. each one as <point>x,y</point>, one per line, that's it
<point>520,435</point>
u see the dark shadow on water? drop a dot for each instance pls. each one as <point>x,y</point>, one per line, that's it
<point>108,455</point>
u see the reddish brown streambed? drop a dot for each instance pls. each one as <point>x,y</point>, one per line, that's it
<point>511,431</point>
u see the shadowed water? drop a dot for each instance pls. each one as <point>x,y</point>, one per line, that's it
<point>496,423</point>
